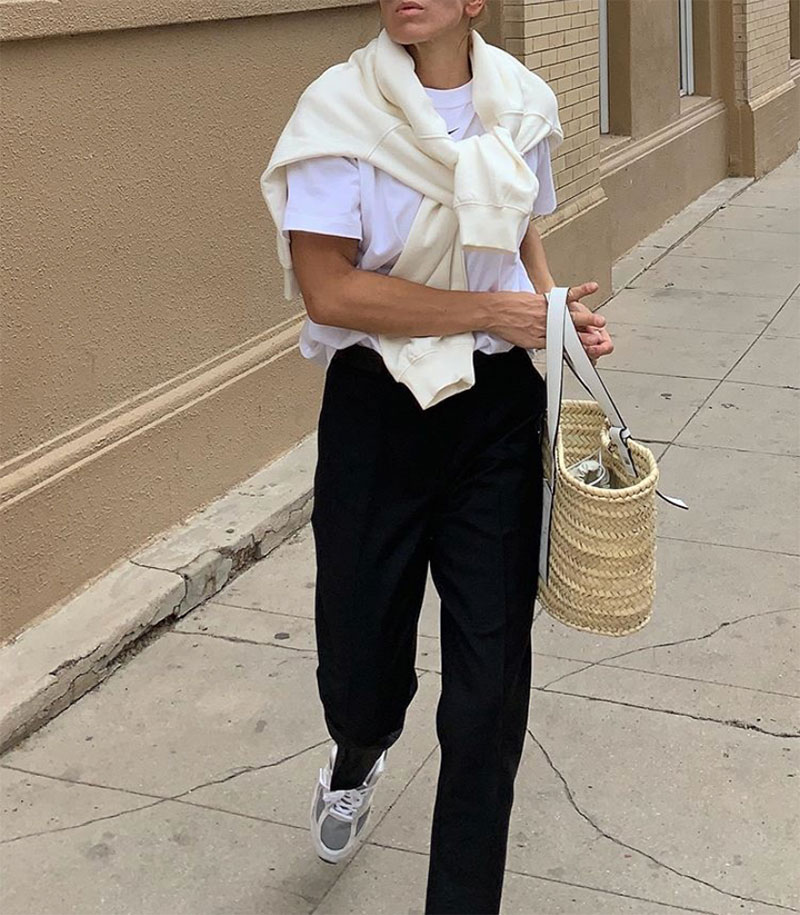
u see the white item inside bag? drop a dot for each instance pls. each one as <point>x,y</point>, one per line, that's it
<point>591,471</point>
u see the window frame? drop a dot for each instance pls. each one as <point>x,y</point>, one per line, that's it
<point>603,64</point>
<point>686,47</point>
<point>794,30</point>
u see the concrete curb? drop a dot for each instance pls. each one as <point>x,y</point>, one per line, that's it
<point>48,667</point>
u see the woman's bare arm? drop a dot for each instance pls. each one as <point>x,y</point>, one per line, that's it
<point>337,293</point>
<point>534,259</point>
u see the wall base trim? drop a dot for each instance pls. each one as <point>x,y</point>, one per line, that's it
<point>629,153</point>
<point>41,465</point>
<point>42,19</point>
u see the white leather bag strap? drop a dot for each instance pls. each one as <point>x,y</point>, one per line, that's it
<point>555,380</point>
<point>554,343</point>
<point>564,344</point>
<point>585,372</point>
<point>581,366</point>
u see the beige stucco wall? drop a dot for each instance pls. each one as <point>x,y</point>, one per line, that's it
<point>135,238</point>
<point>149,361</point>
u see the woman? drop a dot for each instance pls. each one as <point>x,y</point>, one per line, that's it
<point>425,460</point>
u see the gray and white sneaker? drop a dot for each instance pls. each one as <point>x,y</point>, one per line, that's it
<point>338,817</point>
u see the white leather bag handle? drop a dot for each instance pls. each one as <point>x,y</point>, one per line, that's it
<point>564,345</point>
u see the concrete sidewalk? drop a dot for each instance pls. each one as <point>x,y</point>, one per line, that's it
<point>661,774</point>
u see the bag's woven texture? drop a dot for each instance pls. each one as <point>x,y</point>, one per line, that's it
<point>603,541</point>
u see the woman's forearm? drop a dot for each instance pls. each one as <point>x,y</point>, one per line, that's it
<point>379,304</point>
<point>337,293</point>
<point>535,261</point>
<point>383,304</point>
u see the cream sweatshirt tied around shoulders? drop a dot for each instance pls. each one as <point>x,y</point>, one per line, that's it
<point>477,192</point>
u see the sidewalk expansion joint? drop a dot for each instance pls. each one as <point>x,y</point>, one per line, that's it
<point>688,447</point>
<point>672,247</point>
<point>649,327</point>
<point>674,870</point>
<point>731,546</point>
<point>727,376</point>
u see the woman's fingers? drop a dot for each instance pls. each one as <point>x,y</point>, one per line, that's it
<point>596,343</point>
<point>591,326</point>
<point>576,293</point>
<point>584,319</point>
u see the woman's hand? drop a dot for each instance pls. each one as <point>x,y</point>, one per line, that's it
<point>596,343</point>
<point>521,317</point>
<point>596,340</point>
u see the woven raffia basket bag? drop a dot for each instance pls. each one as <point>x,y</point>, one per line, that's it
<point>597,556</point>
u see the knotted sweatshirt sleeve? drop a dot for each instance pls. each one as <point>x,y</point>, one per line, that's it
<point>494,191</point>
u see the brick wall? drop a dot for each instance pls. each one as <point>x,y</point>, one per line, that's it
<point>761,42</point>
<point>558,39</point>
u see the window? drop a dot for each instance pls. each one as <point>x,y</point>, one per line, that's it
<point>603,60</point>
<point>686,49</point>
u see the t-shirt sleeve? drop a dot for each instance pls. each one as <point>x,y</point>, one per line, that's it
<point>324,196</point>
<point>539,162</point>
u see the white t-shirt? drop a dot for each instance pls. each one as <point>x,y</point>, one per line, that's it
<point>333,195</point>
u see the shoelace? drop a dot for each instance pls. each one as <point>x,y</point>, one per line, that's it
<point>346,802</point>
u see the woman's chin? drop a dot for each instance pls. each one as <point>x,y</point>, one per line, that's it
<point>408,32</point>
<point>414,26</point>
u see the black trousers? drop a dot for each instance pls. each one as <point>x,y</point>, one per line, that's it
<point>456,487</point>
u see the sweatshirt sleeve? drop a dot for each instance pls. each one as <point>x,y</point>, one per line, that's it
<point>539,162</point>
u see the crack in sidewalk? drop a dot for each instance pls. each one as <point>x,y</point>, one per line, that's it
<point>729,722</point>
<point>100,819</point>
<point>721,683</point>
<point>616,841</point>
<point>239,640</point>
<point>157,799</point>
<point>244,770</point>
<point>547,879</point>
<point>599,889</point>
<point>686,641</point>
<point>663,673</point>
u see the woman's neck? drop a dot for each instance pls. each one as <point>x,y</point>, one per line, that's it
<point>443,63</point>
